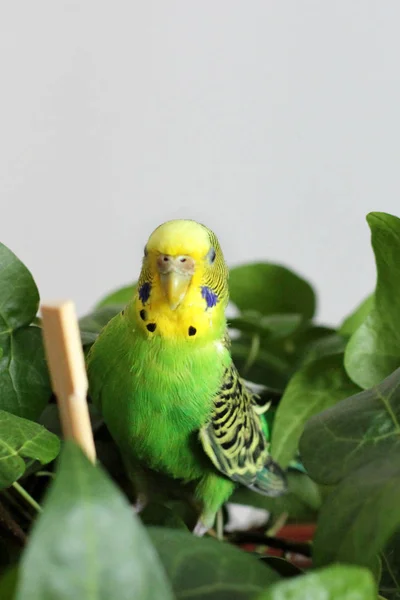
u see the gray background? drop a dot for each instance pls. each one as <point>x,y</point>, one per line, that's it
<point>274,122</point>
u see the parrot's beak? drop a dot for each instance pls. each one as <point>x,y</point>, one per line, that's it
<point>175,286</point>
<point>175,277</point>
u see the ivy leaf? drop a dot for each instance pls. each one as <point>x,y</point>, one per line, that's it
<point>338,581</point>
<point>19,296</point>
<point>201,568</point>
<point>272,326</point>
<point>366,515</point>
<point>121,296</point>
<point>355,432</point>
<point>270,289</point>
<point>357,317</point>
<point>24,381</point>
<point>19,439</point>
<point>8,583</point>
<point>389,584</point>
<point>373,351</point>
<point>316,386</point>
<point>88,543</point>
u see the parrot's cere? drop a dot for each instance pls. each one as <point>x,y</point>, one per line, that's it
<point>162,375</point>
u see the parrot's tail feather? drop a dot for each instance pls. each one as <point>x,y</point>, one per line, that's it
<point>270,481</point>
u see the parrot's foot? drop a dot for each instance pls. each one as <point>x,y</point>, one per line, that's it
<point>200,528</point>
<point>140,504</point>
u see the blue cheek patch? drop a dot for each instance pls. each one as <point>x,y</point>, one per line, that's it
<point>209,296</point>
<point>144,292</point>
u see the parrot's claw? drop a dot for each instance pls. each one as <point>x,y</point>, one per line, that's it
<point>140,504</point>
<point>200,528</point>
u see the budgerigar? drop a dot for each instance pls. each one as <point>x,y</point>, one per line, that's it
<point>163,377</point>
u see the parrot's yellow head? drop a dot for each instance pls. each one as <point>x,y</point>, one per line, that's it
<point>183,285</point>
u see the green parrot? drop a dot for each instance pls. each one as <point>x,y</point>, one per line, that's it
<point>162,375</point>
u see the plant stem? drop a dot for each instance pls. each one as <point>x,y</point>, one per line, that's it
<point>22,491</point>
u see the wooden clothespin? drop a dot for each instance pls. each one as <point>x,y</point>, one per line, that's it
<point>68,374</point>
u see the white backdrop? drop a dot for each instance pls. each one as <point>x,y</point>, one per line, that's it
<point>274,122</point>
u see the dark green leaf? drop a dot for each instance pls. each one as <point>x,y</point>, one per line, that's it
<point>327,345</point>
<point>373,351</point>
<point>95,321</point>
<point>301,502</point>
<point>338,582</point>
<point>270,289</point>
<point>357,317</point>
<point>360,515</point>
<point>8,584</point>
<point>201,568</point>
<point>313,388</point>
<point>161,515</point>
<point>88,543</point>
<point>19,439</point>
<point>272,326</point>
<point>353,433</point>
<point>24,381</point>
<point>121,296</point>
<point>390,580</point>
<point>281,566</point>
<point>19,296</point>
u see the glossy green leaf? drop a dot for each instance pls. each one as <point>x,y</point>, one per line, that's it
<point>19,296</point>
<point>205,569</point>
<point>88,543</point>
<point>373,351</point>
<point>360,515</point>
<point>353,433</point>
<point>121,296</point>
<point>316,386</point>
<point>20,439</point>
<point>24,381</point>
<point>357,317</point>
<point>338,582</point>
<point>270,289</point>
<point>301,502</point>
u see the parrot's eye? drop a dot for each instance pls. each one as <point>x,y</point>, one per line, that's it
<point>145,251</point>
<point>211,255</point>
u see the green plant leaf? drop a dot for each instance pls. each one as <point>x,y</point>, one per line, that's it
<point>282,566</point>
<point>95,321</point>
<point>24,381</point>
<point>121,296</point>
<point>8,584</point>
<point>272,326</point>
<point>357,317</point>
<point>201,568</point>
<point>301,503</point>
<point>19,296</point>
<point>353,433</point>
<point>360,515</point>
<point>270,289</point>
<point>316,386</point>
<point>373,351</point>
<point>389,584</point>
<point>88,543</point>
<point>333,583</point>
<point>19,439</point>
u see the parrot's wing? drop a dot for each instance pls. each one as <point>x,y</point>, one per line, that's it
<point>234,441</point>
